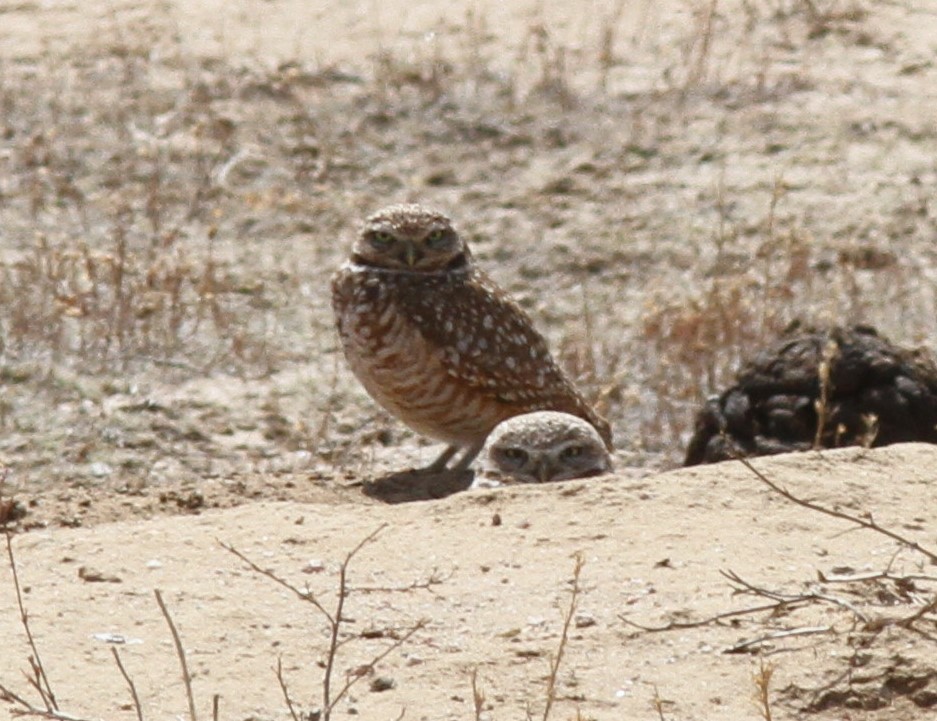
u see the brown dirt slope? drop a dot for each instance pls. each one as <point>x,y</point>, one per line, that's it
<point>494,592</point>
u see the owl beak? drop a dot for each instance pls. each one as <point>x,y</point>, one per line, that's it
<point>413,255</point>
<point>543,472</point>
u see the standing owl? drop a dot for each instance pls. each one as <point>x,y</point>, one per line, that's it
<point>436,342</point>
<point>541,447</point>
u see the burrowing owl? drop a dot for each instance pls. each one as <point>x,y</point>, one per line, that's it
<point>436,342</point>
<point>541,447</point>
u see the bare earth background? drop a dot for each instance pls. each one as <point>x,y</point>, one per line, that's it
<point>664,185</point>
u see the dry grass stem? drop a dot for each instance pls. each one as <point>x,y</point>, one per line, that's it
<point>762,679</point>
<point>180,653</point>
<point>284,690</point>
<point>435,578</point>
<point>564,636</point>
<point>27,709</point>
<point>38,680</point>
<point>478,696</point>
<point>658,704</point>
<point>133,689</point>
<point>822,404</point>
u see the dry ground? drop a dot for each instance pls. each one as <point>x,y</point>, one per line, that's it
<point>177,182</point>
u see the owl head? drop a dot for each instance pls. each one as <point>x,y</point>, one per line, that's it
<point>544,446</point>
<point>410,238</point>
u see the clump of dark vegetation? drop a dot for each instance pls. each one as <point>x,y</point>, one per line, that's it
<point>821,388</point>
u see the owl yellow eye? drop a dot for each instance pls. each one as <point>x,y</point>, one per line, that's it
<point>437,239</point>
<point>381,239</point>
<point>571,452</point>
<point>513,457</point>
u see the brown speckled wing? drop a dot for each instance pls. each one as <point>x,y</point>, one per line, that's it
<point>488,342</point>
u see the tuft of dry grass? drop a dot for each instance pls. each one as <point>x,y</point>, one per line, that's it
<point>762,680</point>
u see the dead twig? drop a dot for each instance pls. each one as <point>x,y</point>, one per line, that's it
<point>180,652</point>
<point>746,646</point>
<point>564,636</point>
<point>875,576</point>
<point>353,678</point>
<point>868,522</point>
<point>130,684</point>
<point>306,595</point>
<point>672,625</point>
<point>286,694</point>
<point>919,614</point>
<point>659,704</point>
<point>39,680</point>
<point>335,619</point>
<point>27,709</point>
<point>799,597</point>
<point>435,579</point>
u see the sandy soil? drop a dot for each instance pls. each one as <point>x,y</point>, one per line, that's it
<point>494,594</point>
<point>177,182</point>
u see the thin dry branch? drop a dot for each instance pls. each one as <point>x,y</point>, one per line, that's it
<point>868,522</point>
<point>352,679</point>
<point>284,690</point>
<point>327,704</point>
<point>27,709</point>
<point>435,579</point>
<point>130,684</point>
<point>746,646</point>
<point>335,620</point>
<point>39,679</point>
<point>306,595</point>
<point>672,625</point>
<point>919,614</point>
<point>564,636</point>
<point>875,576</point>
<point>797,597</point>
<point>180,652</point>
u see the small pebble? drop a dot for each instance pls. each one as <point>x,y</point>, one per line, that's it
<point>314,565</point>
<point>382,683</point>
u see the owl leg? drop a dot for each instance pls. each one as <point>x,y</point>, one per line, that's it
<point>466,460</point>
<point>439,465</point>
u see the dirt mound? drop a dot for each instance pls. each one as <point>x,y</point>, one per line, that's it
<point>723,569</point>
